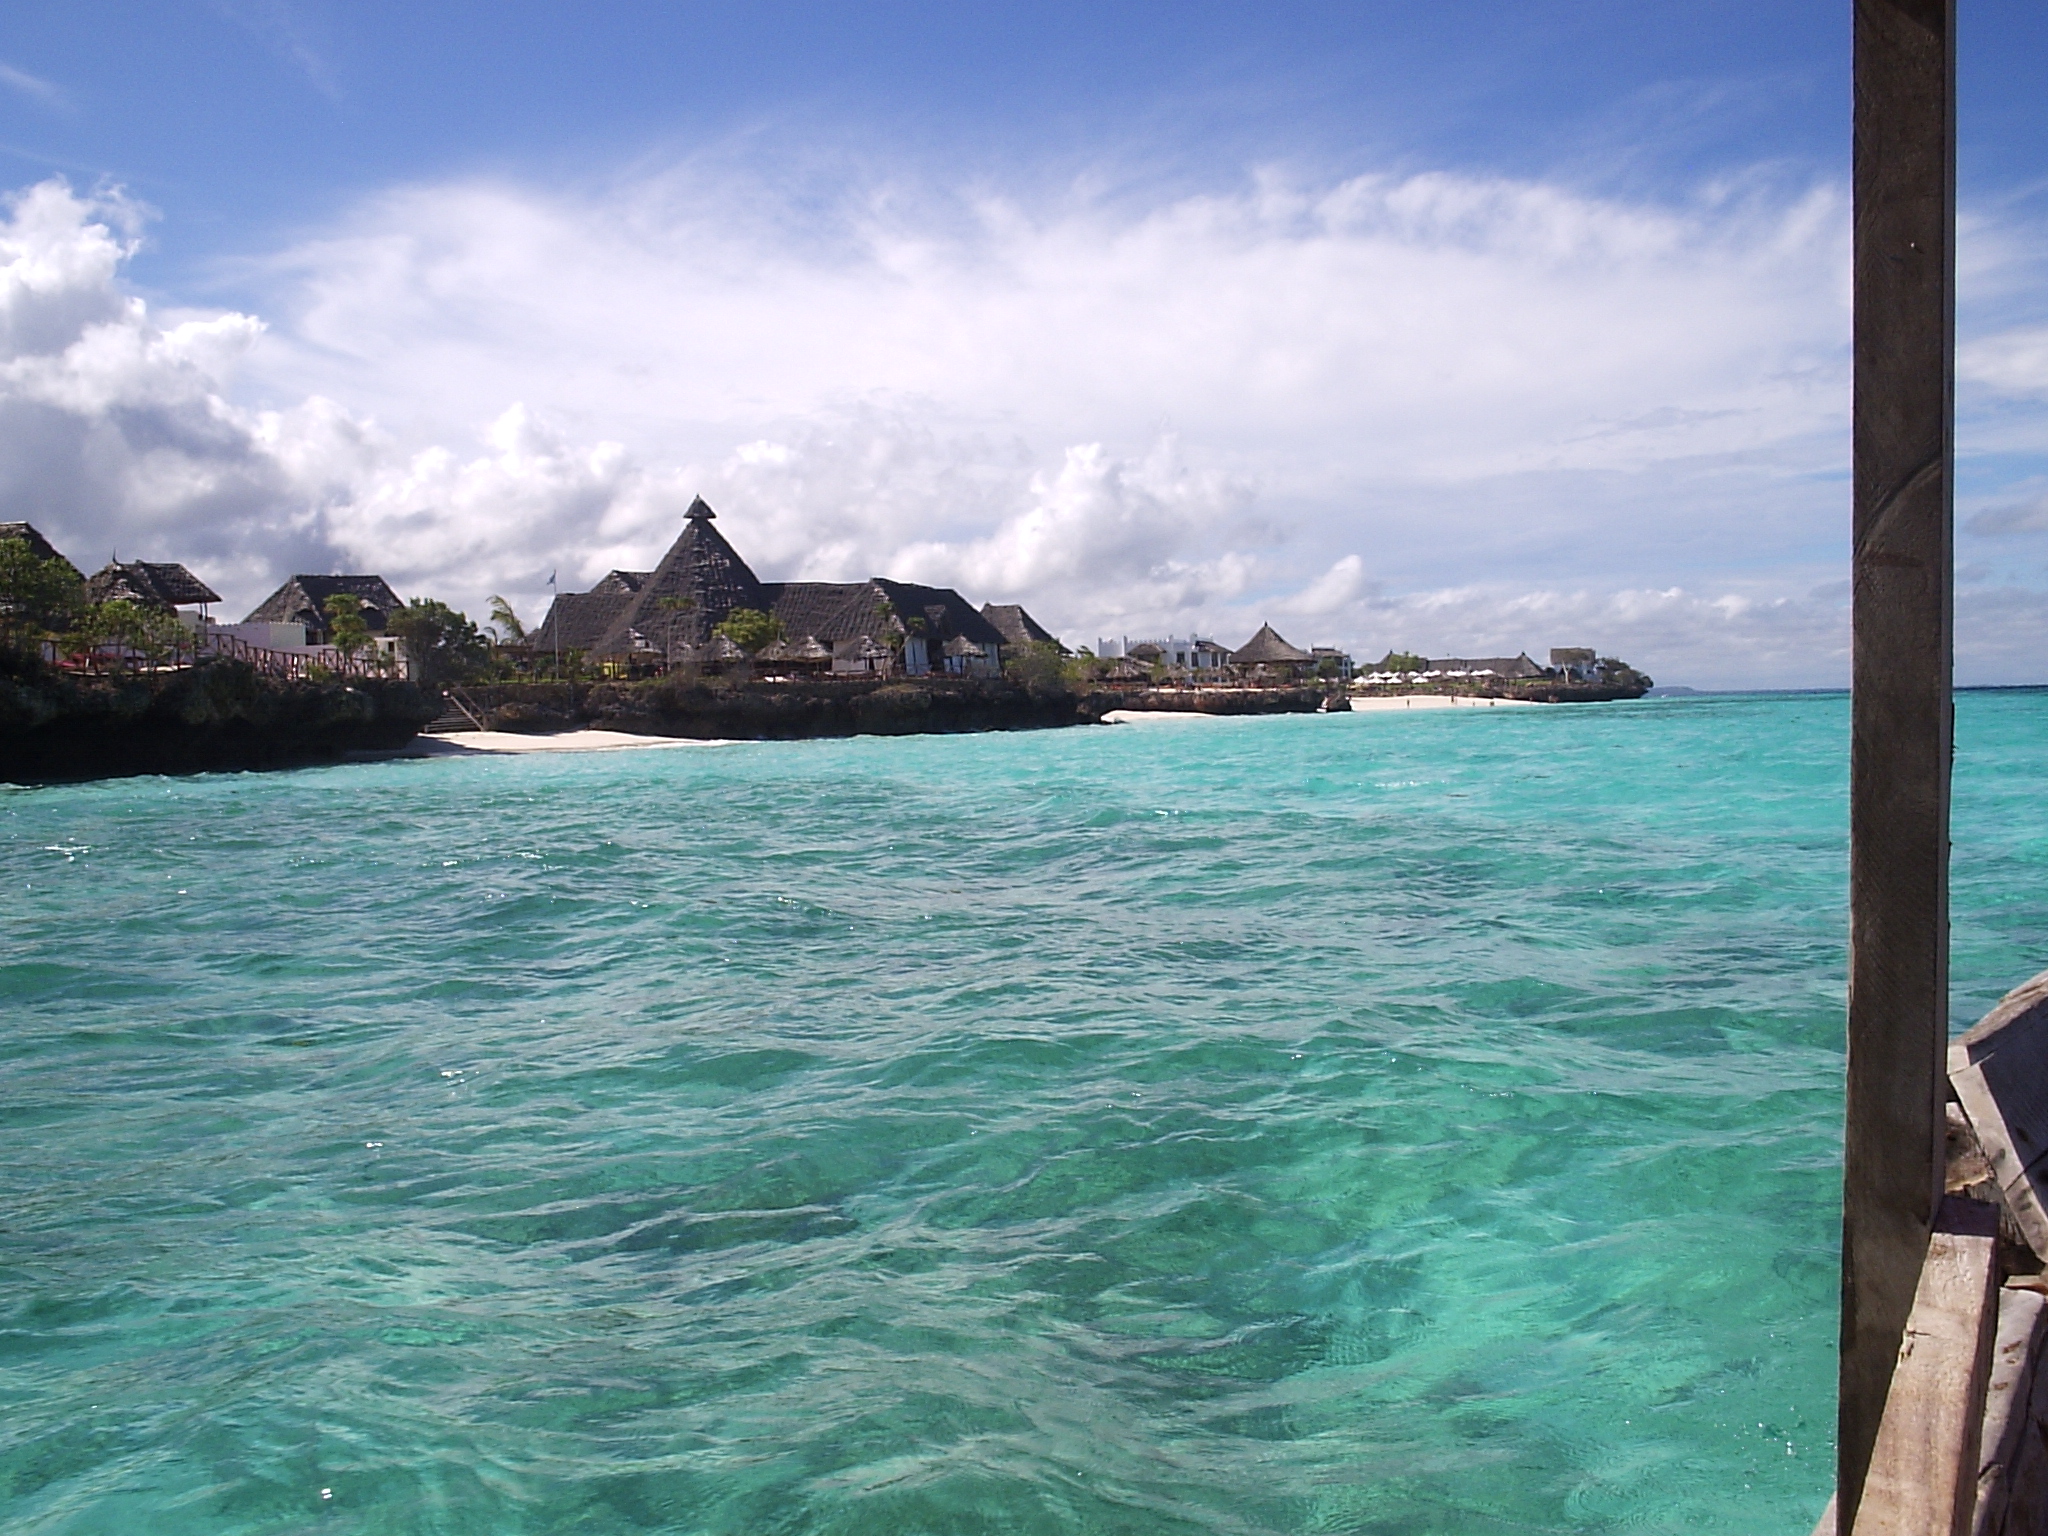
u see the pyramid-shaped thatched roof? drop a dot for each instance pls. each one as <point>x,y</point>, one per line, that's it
<point>699,581</point>
<point>1266,649</point>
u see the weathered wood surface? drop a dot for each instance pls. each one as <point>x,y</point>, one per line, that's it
<point>1922,1478</point>
<point>2009,1442</point>
<point>1902,560</point>
<point>2026,1498</point>
<point>2000,1073</point>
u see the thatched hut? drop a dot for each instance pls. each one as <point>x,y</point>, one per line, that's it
<point>159,584</point>
<point>1266,654</point>
<point>303,600</point>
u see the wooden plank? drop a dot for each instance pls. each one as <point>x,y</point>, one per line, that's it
<point>1902,570</point>
<point>2008,1402</point>
<point>2026,1476</point>
<point>1922,1479</point>
<point>2000,1073</point>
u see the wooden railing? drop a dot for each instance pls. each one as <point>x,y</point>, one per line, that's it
<point>294,665</point>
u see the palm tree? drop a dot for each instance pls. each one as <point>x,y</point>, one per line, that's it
<point>506,621</point>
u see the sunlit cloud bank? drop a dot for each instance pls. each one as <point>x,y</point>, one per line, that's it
<point>1436,412</point>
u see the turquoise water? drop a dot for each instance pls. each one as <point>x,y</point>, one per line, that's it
<point>1370,1124</point>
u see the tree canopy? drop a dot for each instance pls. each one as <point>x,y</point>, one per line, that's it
<point>441,643</point>
<point>347,631</point>
<point>750,629</point>
<point>506,621</point>
<point>38,598</point>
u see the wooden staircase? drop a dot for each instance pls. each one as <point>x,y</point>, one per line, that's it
<point>458,713</point>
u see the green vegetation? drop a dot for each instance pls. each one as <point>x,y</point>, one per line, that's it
<point>39,599</point>
<point>441,643</point>
<point>750,629</point>
<point>1402,661</point>
<point>129,629</point>
<point>506,622</point>
<point>44,602</point>
<point>1042,664</point>
<point>347,631</point>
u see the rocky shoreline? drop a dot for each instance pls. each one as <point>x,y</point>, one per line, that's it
<point>710,710</point>
<point>223,716</point>
<point>1227,701</point>
<point>219,716</point>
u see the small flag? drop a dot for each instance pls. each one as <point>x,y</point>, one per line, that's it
<point>551,578</point>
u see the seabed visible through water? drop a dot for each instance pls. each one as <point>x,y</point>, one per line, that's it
<point>1289,1124</point>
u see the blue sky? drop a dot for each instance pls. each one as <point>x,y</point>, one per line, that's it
<point>1451,327</point>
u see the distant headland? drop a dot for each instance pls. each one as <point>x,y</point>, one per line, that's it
<point>128,671</point>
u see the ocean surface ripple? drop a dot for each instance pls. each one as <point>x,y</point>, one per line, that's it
<point>1346,1124</point>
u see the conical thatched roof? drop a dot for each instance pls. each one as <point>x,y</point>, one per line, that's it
<point>1266,649</point>
<point>699,581</point>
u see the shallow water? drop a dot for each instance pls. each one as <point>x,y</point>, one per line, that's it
<point>1368,1124</point>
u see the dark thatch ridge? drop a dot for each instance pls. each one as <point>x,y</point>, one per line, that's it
<point>152,583</point>
<point>302,600</point>
<point>1018,627</point>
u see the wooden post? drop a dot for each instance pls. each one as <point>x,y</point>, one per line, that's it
<point>1902,726</point>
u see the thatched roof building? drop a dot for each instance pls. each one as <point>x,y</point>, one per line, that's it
<point>302,600</point>
<point>699,581</point>
<point>149,583</point>
<point>38,546</point>
<point>1018,627</point>
<point>1267,649</point>
<point>576,621</point>
<point>671,612</point>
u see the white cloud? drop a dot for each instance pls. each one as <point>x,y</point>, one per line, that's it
<point>39,91</point>
<point>2014,362</point>
<point>1339,585</point>
<point>1449,412</point>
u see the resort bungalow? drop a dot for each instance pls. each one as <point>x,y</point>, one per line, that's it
<point>1018,628</point>
<point>302,601</point>
<point>1267,654</point>
<point>161,585</point>
<point>669,617</point>
<point>1195,657</point>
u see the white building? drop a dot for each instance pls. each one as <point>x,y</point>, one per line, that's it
<point>1198,656</point>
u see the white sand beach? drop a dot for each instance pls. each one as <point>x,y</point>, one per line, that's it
<point>1359,706</point>
<point>469,743</point>
<point>1374,705</point>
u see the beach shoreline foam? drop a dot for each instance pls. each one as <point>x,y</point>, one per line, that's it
<point>474,743</point>
<point>1359,706</point>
